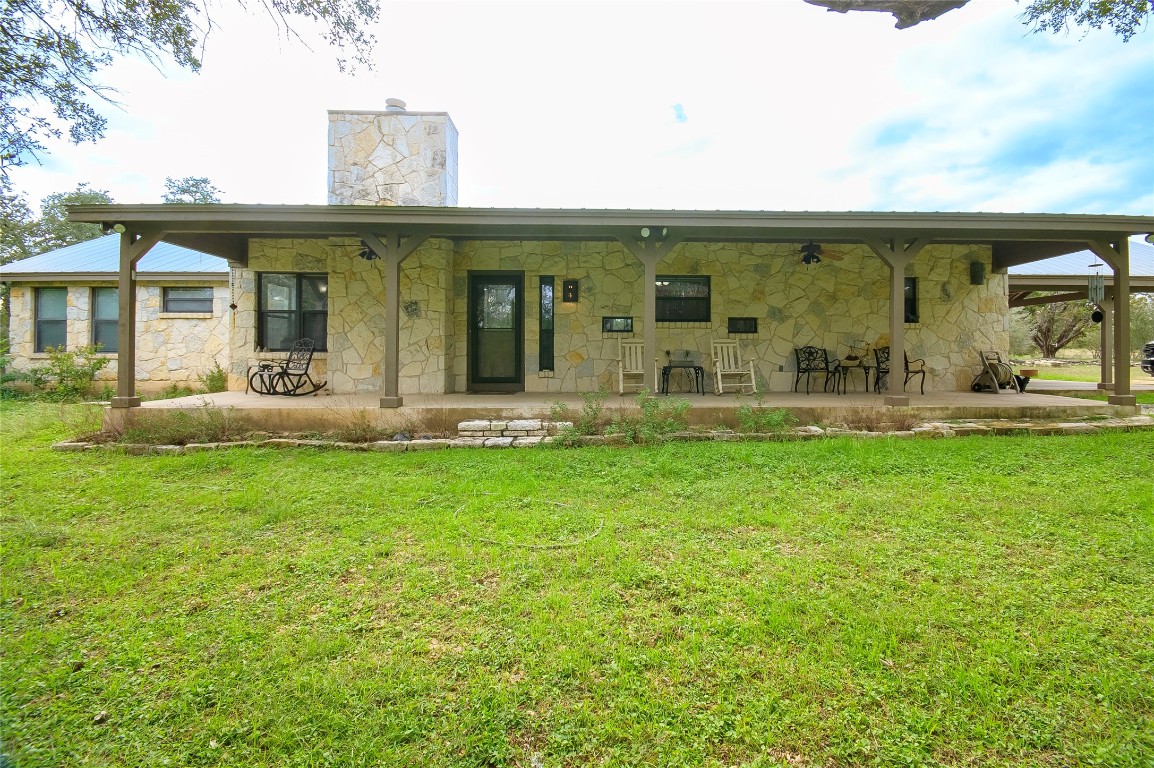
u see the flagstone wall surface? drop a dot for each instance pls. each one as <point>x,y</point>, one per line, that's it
<point>392,158</point>
<point>833,304</point>
<point>171,348</point>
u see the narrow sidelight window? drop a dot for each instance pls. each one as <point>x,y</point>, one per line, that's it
<point>545,349</point>
<point>911,300</point>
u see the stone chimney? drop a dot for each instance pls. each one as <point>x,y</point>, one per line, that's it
<point>395,157</point>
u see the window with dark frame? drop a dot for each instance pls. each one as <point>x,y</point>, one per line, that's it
<point>545,347</point>
<point>617,325</point>
<point>911,300</point>
<point>742,325</point>
<point>292,305</point>
<point>683,299</point>
<point>105,314</point>
<point>51,318</point>
<point>188,299</point>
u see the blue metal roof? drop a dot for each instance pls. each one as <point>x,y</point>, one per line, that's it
<point>1078,264</point>
<point>102,254</point>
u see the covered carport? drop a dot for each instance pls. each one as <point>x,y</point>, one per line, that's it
<point>1066,278</point>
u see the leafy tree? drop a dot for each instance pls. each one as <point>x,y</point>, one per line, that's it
<point>190,189</point>
<point>15,218</point>
<point>1141,320</point>
<point>1058,325</point>
<point>1124,17</point>
<point>53,51</point>
<point>53,229</point>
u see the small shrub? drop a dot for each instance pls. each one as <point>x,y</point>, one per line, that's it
<point>173,391</point>
<point>357,426</point>
<point>215,380</point>
<point>654,419</point>
<point>758,418</point>
<point>68,375</point>
<point>877,419</point>
<point>181,426</point>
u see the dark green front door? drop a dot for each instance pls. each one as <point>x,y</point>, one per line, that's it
<point>496,332</point>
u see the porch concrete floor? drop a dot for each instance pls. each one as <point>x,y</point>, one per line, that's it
<point>331,412</point>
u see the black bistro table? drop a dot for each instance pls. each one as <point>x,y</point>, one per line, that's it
<point>843,372</point>
<point>697,371</point>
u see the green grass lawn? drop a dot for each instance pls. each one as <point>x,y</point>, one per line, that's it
<point>1083,372</point>
<point>972,601</point>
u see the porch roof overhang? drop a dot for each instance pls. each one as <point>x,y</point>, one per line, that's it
<point>224,230</point>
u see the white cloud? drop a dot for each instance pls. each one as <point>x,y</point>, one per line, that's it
<point>569,105</point>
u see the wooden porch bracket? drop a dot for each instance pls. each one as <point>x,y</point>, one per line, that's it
<point>392,248</point>
<point>897,253</point>
<point>649,251</point>
<point>133,245</point>
<point>1117,255</point>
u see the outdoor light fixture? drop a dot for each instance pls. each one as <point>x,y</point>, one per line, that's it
<point>367,253</point>
<point>569,291</point>
<point>654,232</point>
<point>811,253</point>
<point>108,229</point>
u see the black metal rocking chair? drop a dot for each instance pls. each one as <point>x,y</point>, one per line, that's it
<point>288,377</point>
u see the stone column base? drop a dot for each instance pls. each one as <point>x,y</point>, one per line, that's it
<point>126,402</point>
<point>392,402</point>
<point>1122,400</point>
<point>897,400</point>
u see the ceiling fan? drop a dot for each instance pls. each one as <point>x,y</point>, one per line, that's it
<point>812,253</point>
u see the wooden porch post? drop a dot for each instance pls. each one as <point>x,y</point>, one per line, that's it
<point>1107,341</point>
<point>392,250</point>
<point>133,245</point>
<point>1117,255</point>
<point>649,251</point>
<point>897,255</point>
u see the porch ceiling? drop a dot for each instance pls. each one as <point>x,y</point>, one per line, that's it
<point>224,230</point>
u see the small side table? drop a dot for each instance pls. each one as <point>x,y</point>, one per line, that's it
<point>697,371</point>
<point>844,372</point>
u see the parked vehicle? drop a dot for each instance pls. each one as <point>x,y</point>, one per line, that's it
<point>1148,358</point>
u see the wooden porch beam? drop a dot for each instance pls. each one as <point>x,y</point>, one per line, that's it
<point>392,248</point>
<point>897,253</point>
<point>649,251</point>
<point>133,245</point>
<point>1055,299</point>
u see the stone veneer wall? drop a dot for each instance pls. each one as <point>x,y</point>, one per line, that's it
<point>171,348</point>
<point>356,321</point>
<point>392,158</point>
<point>829,305</point>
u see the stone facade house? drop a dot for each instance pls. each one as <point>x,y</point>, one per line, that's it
<point>405,293</point>
<point>69,297</point>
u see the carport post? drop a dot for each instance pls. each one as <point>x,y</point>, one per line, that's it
<point>1107,340</point>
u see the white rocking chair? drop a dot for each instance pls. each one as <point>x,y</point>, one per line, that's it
<point>728,365</point>
<point>631,366</point>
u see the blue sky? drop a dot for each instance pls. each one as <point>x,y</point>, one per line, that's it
<point>766,105</point>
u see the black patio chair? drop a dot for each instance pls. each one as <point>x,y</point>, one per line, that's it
<point>289,377</point>
<point>915,367</point>
<point>811,360</point>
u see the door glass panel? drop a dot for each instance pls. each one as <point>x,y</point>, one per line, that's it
<point>495,348</point>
